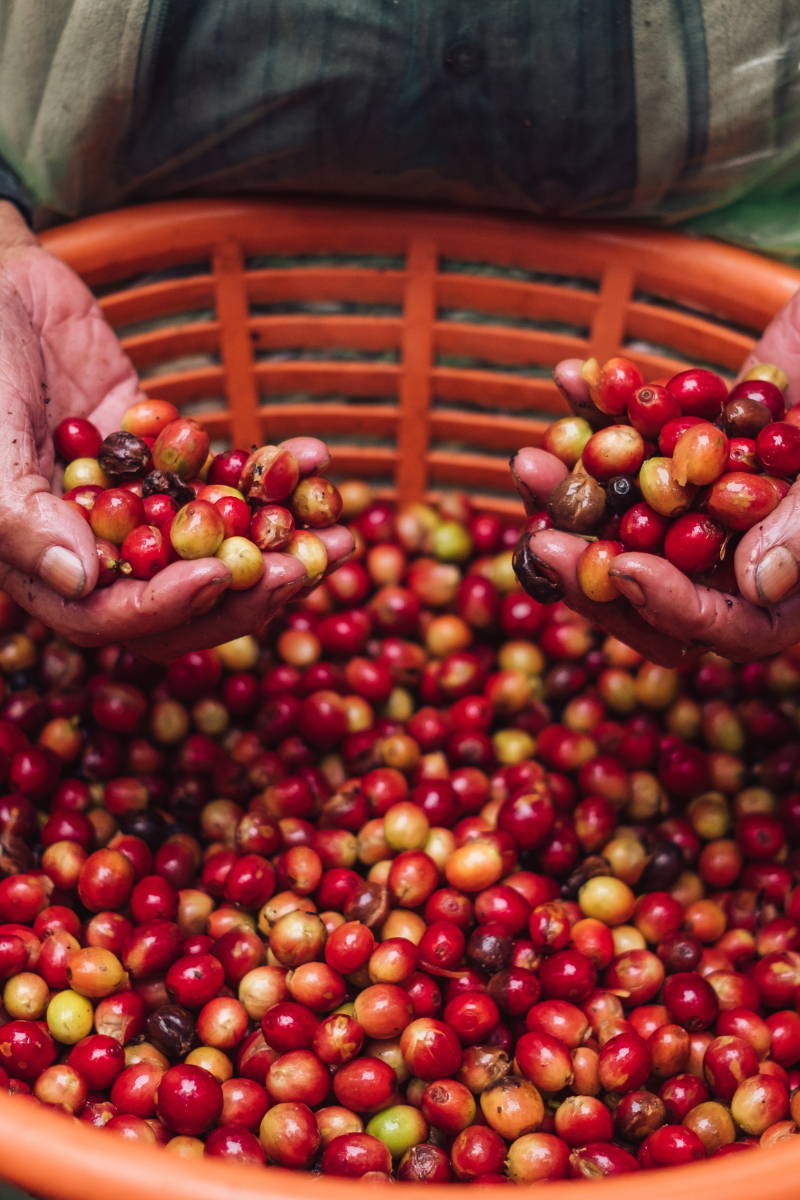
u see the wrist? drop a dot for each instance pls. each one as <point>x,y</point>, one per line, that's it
<point>14,233</point>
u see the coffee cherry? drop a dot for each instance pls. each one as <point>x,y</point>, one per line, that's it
<point>227,467</point>
<point>189,1099</point>
<point>762,391</point>
<point>621,493</point>
<point>244,561</point>
<point>613,385</point>
<point>123,456</point>
<point>171,1028</point>
<point>75,437</point>
<point>778,448</point>
<point>642,528</point>
<point>84,472</point>
<point>165,484</point>
<point>651,408</point>
<point>742,455</point>
<point>744,417</point>
<point>28,1049</point>
<point>424,1163</point>
<point>270,473</point>
<point>699,392</point>
<point>577,504</point>
<point>661,490</point>
<point>623,1063</point>
<point>592,571</point>
<point>197,530</point>
<point>671,1145</point>
<point>108,561</point>
<point>181,448</point>
<point>115,514</point>
<point>607,899</point>
<point>234,512</point>
<point>147,418</point>
<point>512,1107</point>
<point>315,502</point>
<point>690,1000</point>
<point>430,1049</point>
<point>739,500</point>
<point>145,551</point>
<point>759,1102</point>
<point>615,450</point>
<point>289,1135</point>
<point>271,527</point>
<point>673,430</point>
<point>700,455</point>
<point>694,542</point>
<point>566,438</point>
<point>83,497</point>
<point>355,1155</point>
<point>311,551</point>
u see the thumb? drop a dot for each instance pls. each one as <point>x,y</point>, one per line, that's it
<point>780,344</point>
<point>767,559</point>
<point>42,536</point>
<point>536,473</point>
<point>573,387</point>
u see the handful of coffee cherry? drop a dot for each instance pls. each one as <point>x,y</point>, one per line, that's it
<point>684,468</point>
<point>153,493</point>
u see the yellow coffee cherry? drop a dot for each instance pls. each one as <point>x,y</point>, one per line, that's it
<point>70,1017</point>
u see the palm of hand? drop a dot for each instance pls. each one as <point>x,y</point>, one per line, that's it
<point>58,357</point>
<point>70,353</point>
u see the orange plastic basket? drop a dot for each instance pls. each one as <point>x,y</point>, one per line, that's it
<point>420,344</point>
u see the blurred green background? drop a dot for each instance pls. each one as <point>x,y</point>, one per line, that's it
<point>7,1192</point>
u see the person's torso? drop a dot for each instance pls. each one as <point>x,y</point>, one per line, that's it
<point>577,107</point>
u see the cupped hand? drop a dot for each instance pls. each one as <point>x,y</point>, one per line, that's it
<point>662,613</point>
<point>58,358</point>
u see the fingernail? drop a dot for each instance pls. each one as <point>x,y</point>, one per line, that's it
<point>630,588</point>
<point>63,571</point>
<point>538,580</point>
<point>776,575</point>
<point>206,598</point>
<point>566,394</point>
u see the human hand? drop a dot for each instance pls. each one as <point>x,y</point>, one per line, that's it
<point>662,613</point>
<point>58,358</point>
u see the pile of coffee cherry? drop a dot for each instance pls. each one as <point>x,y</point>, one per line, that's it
<point>682,468</point>
<point>154,493</point>
<point>431,883</point>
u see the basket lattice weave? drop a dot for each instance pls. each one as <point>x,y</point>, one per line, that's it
<point>419,344</point>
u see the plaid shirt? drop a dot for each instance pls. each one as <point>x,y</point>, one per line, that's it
<point>659,109</point>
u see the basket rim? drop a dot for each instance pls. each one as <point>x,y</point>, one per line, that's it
<point>57,1157</point>
<point>181,224</point>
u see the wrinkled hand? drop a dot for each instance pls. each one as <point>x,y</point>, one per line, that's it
<point>663,614</point>
<point>59,358</point>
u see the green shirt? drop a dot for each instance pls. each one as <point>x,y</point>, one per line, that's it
<point>655,109</point>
